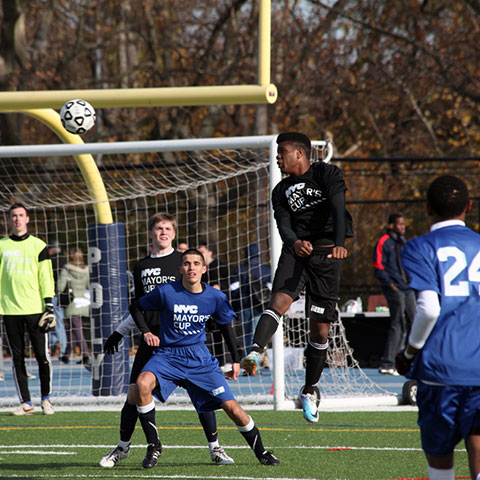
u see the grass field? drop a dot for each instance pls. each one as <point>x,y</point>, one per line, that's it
<point>344,445</point>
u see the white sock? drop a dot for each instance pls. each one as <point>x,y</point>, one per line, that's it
<point>249,426</point>
<point>212,445</point>
<point>123,445</point>
<point>146,408</point>
<point>441,474</point>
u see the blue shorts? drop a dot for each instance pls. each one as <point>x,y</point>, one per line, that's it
<point>446,414</point>
<point>193,368</point>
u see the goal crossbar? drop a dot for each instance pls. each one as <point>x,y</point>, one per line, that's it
<point>145,146</point>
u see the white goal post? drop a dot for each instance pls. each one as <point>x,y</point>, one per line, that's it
<point>217,189</point>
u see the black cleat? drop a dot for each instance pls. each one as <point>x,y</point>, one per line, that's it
<point>153,452</point>
<point>268,458</point>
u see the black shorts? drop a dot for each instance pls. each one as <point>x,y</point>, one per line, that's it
<point>142,356</point>
<point>319,275</point>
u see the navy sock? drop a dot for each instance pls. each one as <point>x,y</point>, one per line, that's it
<point>128,420</point>
<point>314,362</point>
<point>252,436</point>
<point>209,424</point>
<point>266,327</point>
<point>147,419</point>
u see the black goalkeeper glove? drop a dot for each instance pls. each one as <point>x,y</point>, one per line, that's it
<point>111,345</point>
<point>47,321</point>
<point>402,363</point>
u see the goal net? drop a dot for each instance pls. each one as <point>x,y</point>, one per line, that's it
<point>219,192</point>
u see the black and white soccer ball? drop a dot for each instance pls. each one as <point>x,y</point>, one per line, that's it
<point>77,116</point>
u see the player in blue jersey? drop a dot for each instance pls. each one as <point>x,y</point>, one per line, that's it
<point>443,352</point>
<point>159,267</point>
<point>182,358</point>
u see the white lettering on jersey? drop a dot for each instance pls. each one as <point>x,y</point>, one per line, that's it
<point>15,263</point>
<point>300,197</point>
<point>185,309</point>
<point>186,315</point>
<point>148,272</point>
<point>11,253</point>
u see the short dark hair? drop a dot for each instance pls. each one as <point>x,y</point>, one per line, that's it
<point>203,243</point>
<point>17,205</point>
<point>393,216</point>
<point>161,217</point>
<point>447,196</point>
<point>299,140</point>
<point>192,251</point>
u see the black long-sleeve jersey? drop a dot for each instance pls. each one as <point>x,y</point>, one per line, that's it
<point>312,206</point>
<point>150,272</point>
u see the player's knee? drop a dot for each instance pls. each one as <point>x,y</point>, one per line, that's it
<point>280,302</point>
<point>145,383</point>
<point>236,412</point>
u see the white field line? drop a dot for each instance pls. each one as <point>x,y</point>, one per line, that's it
<point>35,452</point>
<point>229,447</point>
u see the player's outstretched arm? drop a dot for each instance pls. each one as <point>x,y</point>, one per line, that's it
<point>111,344</point>
<point>136,311</point>
<point>231,341</point>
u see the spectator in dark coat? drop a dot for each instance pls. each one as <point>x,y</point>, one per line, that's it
<point>396,289</point>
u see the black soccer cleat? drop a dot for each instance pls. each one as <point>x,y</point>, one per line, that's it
<point>268,458</point>
<point>151,458</point>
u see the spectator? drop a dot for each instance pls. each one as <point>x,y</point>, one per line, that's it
<point>250,290</point>
<point>182,246</point>
<point>395,286</point>
<point>27,290</point>
<point>217,277</point>
<point>58,334</point>
<point>75,274</point>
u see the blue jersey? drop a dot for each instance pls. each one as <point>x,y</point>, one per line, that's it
<point>447,261</point>
<point>183,314</point>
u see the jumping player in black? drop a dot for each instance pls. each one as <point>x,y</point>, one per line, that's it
<point>160,267</point>
<point>309,207</point>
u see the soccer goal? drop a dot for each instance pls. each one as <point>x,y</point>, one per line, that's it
<point>219,191</point>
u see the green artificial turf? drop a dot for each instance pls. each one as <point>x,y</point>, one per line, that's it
<point>352,445</point>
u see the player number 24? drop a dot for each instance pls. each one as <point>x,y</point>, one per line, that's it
<point>460,289</point>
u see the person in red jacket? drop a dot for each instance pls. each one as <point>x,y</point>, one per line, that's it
<point>396,289</point>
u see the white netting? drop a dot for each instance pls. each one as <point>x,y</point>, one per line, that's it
<point>218,196</point>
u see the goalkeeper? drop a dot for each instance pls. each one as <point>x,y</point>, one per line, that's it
<point>309,206</point>
<point>160,267</point>
<point>26,292</point>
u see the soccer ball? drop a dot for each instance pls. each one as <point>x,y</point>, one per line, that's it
<point>77,116</point>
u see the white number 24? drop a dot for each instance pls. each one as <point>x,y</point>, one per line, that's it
<point>460,289</point>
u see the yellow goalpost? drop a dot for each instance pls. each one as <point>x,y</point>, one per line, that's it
<point>41,105</point>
